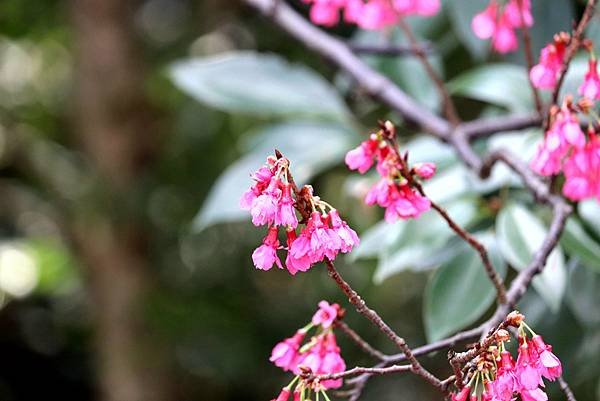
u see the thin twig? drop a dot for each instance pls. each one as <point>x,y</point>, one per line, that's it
<point>359,370</point>
<point>572,48</point>
<point>449,108</point>
<point>529,58</point>
<point>478,246</point>
<point>362,308</point>
<point>364,345</point>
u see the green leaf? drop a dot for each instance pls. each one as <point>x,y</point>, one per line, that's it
<point>503,85</point>
<point>520,234</point>
<point>583,295</point>
<point>459,292</point>
<point>580,245</point>
<point>407,72</point>
<point>589,211</point>
<point>423,243</point>
<point>310,146</point>
<point>255,83</point>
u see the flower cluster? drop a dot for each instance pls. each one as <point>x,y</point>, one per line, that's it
<point>497,377</point>
<point>499,23</point>
<point>565,147</point>
<point>395,190</point>
<point>318,356</point>
<point>273,201</point>
<point>545,74</point>
<point>369,14</point>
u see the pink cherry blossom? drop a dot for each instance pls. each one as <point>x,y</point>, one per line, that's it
<point>324,358</point>
<point>533,395</point>
<point>264,207</point>
<point>285,353</point>
<point>525,370</point>
<point>504,39</point>
<point>297,257</point>
<point>424,8</point>
<point>550,365</point>
<point>462,395</point>
<point>590,88</point>
<point>484,23</point>
<point>424,170</point>
<point>544,75</point>
<point>285,214</point>
<point>406,203</point>
<point>518,13</point>
<point>325,13</point>
<point>361,158</point>
<point>324,241</point>
<point>347,235</point>
<point>582,172</point>
<point>326,314</point>
<point>284,395</point>
<point>266,255</point>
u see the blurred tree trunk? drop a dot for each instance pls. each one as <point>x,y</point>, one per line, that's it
<point>113,125</point>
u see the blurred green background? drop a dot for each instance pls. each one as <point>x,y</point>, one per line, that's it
<point>128,130</point>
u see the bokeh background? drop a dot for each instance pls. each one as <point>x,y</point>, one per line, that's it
<point>128,130</point>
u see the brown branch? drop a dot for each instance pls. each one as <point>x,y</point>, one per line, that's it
<point>364,345</point>
<point>449,108</point>
<point>566,389</point>
<point>363,309</point>
<point>358,370</point>
<point>572,48</point>
<point>529,58</point>
<point>392,50</point>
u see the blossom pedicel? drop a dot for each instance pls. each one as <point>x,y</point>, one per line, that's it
<point>369,14</point>
<point>495,376</point>
<point>273,201</point>
<point>395,190</point>
<point>320,355</point>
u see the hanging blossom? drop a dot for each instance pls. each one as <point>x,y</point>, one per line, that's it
<point>497,377</point>
<point>273,200</point>
<point>566,148</point>
<point>498,23</point>
<point>545,74</point>
<point>320,355</point>
<point>369,14</point>
<point>395,191</point>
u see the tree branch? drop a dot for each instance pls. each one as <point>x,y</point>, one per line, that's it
<point>392,50</point>
<point>566,389</point>
<point>364,345</point>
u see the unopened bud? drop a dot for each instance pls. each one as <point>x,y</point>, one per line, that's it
<point>515,318</point>
<point>502,335</point>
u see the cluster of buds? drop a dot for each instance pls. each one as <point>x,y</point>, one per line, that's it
<point>398,188</point>
<point>369,14</point>
<point>497,377</point>
<point>498,23</point>
<point>274,200</point>
<point>320,355</point>
<point>565,147</point>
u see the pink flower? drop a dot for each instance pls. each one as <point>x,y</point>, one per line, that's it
<point>551,367</point>
<point>347,235</point>
<point>284,395</point>
<point>484,23</point>
<point>380,193</point>
<point>361,158</point>
<point>582,172</point>
<point>265,255</point>
<point>286,216</point>
<point>534,395</point>
<point>518,13</point>
<point>544,75</point>
<point>297,257</point>
<point>325,13</point>
<point>324,358</point>
<point>265,206</point>
<point>285,353</point>
<point>590,88</point>
<point>425,8</point>
<point>504,39</point>
<point>506,382</point>
<point>546,162</point>
<point>406,203</point>
<point>324,241</point>
<point>377,14</point>
<point>326,314</point>
<point>353,11</point>
<point>525,370</point>
<point>462,394</point>
<point>424,170</point>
